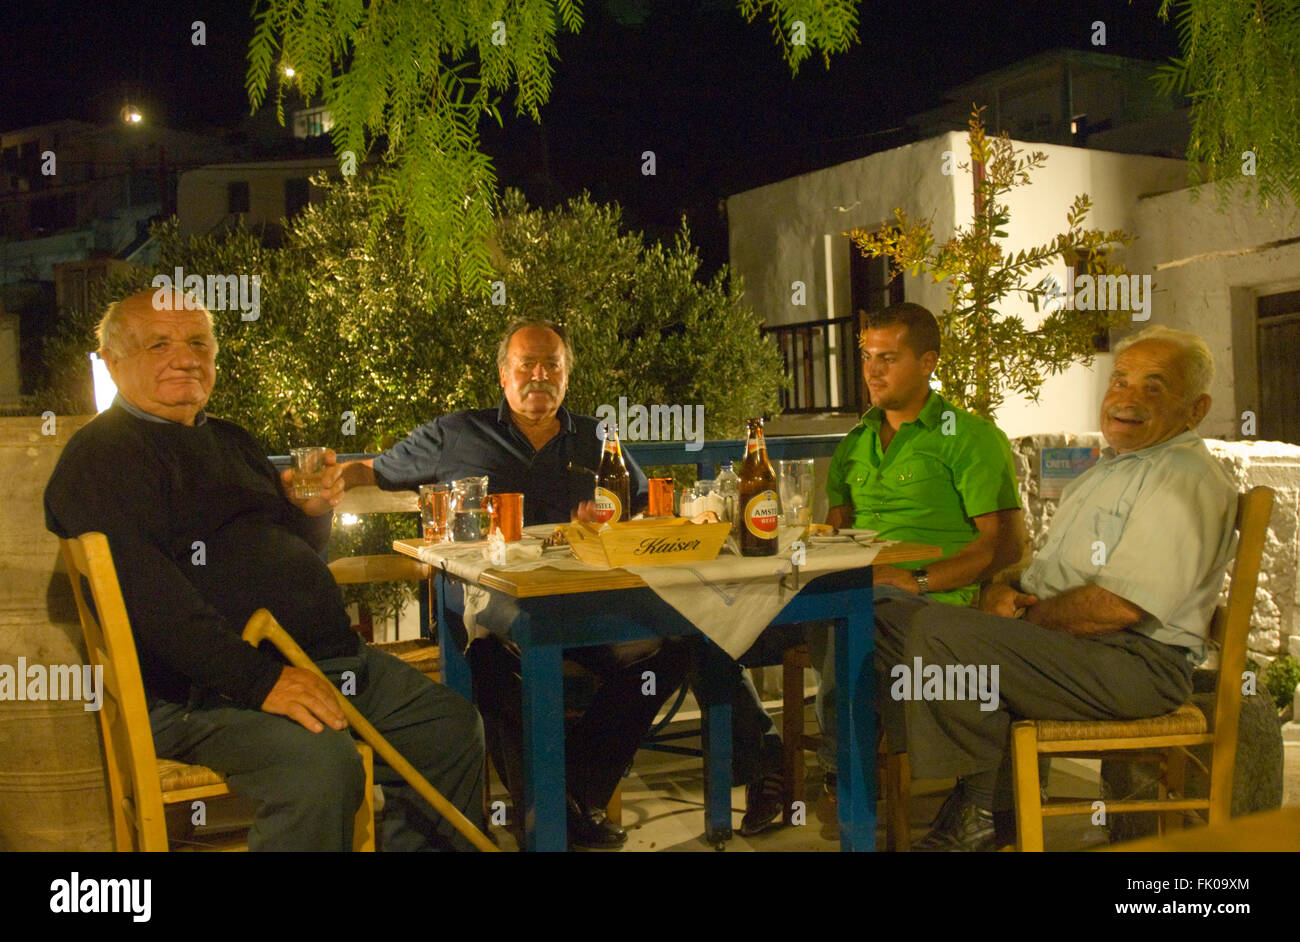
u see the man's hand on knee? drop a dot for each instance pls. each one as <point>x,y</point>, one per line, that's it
<point>305,698</point>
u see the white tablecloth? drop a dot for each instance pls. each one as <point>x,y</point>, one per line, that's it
<point>731,599</point>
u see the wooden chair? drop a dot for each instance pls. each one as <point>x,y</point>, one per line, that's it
<point>1164,738</point>
<point>420,653</point>
<point>894,772</point>
<point>141,784</point>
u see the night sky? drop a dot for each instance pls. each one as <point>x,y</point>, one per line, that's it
<point>691,81</point>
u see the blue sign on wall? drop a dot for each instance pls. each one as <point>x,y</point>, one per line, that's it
<point>1060,466</point>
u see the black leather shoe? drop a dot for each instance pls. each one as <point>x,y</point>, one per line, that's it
<point>959,826</point>
<point>590,828</point>
<point>762,805</point>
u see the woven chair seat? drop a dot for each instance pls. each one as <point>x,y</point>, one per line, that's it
<point>173,775</point>
<point>422,654</point>
<point>1187,719</point>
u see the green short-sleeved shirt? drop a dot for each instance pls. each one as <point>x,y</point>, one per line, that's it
<point>942,469</point>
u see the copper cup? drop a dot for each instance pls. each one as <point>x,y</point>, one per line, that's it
<point>507,512</point>
<point>661,497</point>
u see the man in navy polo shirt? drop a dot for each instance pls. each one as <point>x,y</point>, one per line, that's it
<point>527,445</point>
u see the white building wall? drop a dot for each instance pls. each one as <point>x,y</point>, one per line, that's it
<point>201,199</point>
<point>1071,401</point>
<point>778,234</point>
<point>1209,262</point>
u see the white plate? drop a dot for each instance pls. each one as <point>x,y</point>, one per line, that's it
<point>840,538</point>
<point>858,534</point>
<point>540,530</point>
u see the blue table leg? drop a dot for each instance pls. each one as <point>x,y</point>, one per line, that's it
<point>452,663</point>
<point>545,827</point>
<point>715,735</point>
<point>856,720</point>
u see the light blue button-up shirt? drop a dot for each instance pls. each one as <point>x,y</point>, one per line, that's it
<point>1154,527</point>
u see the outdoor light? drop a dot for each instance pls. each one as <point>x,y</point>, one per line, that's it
<point>131,114</point>
<point>105,388</point>
<point>288,71</point>
<point>349,519</point>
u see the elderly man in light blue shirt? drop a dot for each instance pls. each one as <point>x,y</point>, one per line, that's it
<point>1105,623</point>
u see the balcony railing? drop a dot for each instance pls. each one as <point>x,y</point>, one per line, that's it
<point>824,362</point>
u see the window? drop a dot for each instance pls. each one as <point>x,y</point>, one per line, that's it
<point>237,196</point>
<point>312,122</point>
<point>1277,342</point>
<point>296,196</point>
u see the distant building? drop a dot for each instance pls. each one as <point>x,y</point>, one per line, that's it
<point>1083,99</point>
<point>77,200</point>
<point>70,190</point>
<point>261,195</point>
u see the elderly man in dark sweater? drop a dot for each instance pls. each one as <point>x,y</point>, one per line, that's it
<point>204,533</point>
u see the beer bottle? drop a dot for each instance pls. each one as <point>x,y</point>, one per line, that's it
<point>612,481</point>
<point>759,508</point>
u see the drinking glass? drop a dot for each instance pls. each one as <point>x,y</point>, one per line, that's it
<point>507,512</point>
<point>795,480</point>
<point>308,466</point>
<point>435,512</point>
<point>469,519</point>
<point>661,497</point>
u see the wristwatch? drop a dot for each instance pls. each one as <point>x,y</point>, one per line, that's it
<point>922,577</point>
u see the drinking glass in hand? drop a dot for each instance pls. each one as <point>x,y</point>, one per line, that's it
<point>308,466</point>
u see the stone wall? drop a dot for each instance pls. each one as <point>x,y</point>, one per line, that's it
<point>1276,626</point>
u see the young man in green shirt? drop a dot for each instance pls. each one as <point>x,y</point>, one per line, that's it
<point>920,469</point>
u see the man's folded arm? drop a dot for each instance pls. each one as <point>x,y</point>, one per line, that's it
<point>1086,610</point>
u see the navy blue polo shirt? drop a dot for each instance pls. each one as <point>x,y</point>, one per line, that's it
<point>487,441</point>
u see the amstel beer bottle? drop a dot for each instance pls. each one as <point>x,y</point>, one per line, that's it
<point>612,481</point>
<point>759,506</point>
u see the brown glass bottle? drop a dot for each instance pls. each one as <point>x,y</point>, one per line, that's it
<point>612,481</point>
<point>759,505</point>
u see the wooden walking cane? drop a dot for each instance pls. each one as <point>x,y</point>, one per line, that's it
<point>262,625</point>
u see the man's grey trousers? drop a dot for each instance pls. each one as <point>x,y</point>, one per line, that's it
<point>309,785</point>
<point>1041,674</point>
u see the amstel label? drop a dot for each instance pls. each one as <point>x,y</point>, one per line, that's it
<point>761,515</point>
<point>608,506</point>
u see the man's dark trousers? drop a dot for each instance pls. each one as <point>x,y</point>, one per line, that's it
<point>310,785</point>
<point>1042,674</point>
<point>600,745</point>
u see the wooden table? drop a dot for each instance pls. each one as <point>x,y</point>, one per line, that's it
<point>544,611</point>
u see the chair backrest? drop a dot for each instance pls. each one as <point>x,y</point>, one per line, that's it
<point>1230,627</point>
<point>134,790</point>
<point>386,567</point>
